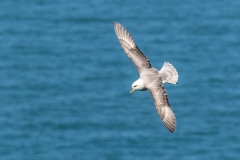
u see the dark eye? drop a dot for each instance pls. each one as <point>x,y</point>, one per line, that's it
<point>134,86</point>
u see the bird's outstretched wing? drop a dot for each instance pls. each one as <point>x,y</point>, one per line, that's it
<point>130,48</point>
<point>163,107</point>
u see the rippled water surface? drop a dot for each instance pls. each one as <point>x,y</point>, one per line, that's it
<point>65,80</point>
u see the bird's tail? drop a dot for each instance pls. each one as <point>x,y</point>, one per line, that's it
<point>169,73</point>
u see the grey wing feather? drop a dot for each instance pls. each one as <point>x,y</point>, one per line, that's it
<point>130,48</point>
<point>163,107</point>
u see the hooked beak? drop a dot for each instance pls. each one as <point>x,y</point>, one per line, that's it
<point>131,90</point>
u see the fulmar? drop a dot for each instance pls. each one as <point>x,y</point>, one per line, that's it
<point>150,78</point>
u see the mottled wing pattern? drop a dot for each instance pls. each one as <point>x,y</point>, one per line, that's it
<point>163,107</point>
<point>130,48</point>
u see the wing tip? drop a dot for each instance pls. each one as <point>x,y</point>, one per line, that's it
<point>172,130</point>
<point>123,34</point>
<point>116,24</point>
<point>169,120</point>
<point>170,126</point>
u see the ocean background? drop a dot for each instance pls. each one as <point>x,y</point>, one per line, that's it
<point>65,80</point>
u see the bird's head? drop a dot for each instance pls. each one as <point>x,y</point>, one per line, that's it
<point>138,85</point>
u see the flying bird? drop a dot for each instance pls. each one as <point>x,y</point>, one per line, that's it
<point>150,78</point>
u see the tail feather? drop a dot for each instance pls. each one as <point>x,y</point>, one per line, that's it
<point>169,73</point>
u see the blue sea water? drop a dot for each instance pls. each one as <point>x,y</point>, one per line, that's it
<point>65,80</point>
